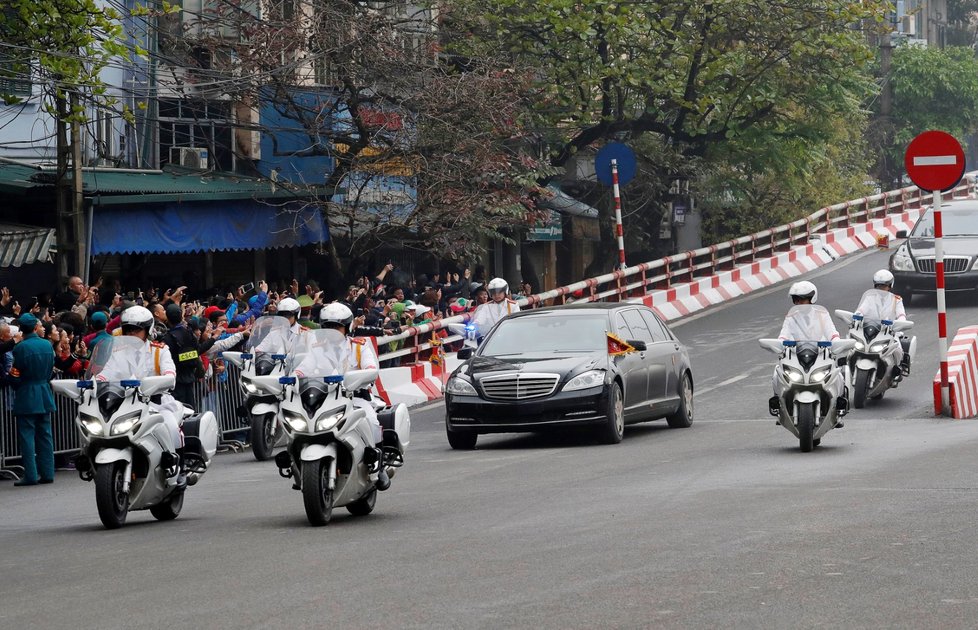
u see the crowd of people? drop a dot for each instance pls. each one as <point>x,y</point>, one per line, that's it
<point>68,327</point>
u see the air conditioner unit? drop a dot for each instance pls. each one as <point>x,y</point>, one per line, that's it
<point>191,157</point>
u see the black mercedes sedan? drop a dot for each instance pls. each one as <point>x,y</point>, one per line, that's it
<point>596,365</point>
<point>912,264</point>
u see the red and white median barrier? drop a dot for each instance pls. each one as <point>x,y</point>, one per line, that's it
<point>962,374</point>
<point>416,383</point>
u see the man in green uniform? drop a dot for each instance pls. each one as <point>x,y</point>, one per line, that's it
<point>34,402</point>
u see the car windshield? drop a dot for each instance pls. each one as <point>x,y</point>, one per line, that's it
<point>954,223</point>
<point>553,332</point>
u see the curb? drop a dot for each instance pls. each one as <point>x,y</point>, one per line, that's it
<point>962,375</point>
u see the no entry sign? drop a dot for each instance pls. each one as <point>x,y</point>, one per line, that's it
<point>934,161</point>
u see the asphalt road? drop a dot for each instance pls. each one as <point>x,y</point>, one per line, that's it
<point>724,524</point>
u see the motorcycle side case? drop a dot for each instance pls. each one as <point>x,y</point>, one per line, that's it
<point>203,427</point>
<point>398,419</point>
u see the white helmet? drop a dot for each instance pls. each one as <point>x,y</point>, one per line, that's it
<point>497,285</point>
<point>289,307</point>
<point>883,276</point>
<point>804,289</point>
<point>336,313</point>
<point>137,317</point>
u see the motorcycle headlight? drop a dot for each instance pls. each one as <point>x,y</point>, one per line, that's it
<point>819,376</point>
<point>591,378</point>
<point>901,260</point>
<point>91,424</point>
<point>795,376</point>
<point>879,346</point>
<point>125,424</point>
<point>248,387</point>
<point>328,422</point>
<point>461,387</point>
<point>294,420</point>
<point>860,346</point>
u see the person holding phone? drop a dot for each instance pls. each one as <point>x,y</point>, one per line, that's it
<point>256,306</point>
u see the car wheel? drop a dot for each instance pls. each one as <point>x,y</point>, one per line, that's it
<point>461,440</point>
<point>683,418</point>
<point>613,429</point>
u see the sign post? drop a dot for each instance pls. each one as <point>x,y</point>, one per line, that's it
<point>935,163</point>
<point>615,166</point>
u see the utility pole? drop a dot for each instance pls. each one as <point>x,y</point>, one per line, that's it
<point>886,107</point>
<point>77,196</point>
<point>61,186</point>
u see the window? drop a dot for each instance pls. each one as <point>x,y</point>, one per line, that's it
<point>14,80</point>
<point>640,331</point>
<point>659,332</point>
<point>621,328</point>
<point>200,124</point>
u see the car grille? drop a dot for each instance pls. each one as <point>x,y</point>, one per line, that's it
<point>952,264</point>
<point>519,386</point>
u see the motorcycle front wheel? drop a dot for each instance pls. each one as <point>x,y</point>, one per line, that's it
<point>806,427</point>
<point>263,436</point>
<point>110,498</point>
<point>316,495</point>
<point>860,388</point>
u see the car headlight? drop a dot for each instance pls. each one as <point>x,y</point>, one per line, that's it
<point>820,375</point>
<point>91,424</point>
<point>295,421</point>
<point>795,376</point>
<point>328,422</point>
<point>901,260</point>
<point>879,346</point>
<point>461,387</point>
<point>591,378</point>
<point>974,267</point>
<point>125,423</point>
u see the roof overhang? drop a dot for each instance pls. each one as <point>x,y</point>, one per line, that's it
<point>24,244</point>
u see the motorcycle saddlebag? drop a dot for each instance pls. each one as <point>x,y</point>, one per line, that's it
<point>396,420</point>
<point>200,435</point>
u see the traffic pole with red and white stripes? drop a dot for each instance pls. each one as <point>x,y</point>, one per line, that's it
<point>619,232</point>
<point>941,304</point>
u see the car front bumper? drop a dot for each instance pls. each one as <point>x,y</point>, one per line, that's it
<point>561,410</point>
<point>924,282</point>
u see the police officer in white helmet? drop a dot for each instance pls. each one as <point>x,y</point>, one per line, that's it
<point>274,342</point>
<point>154,359</point>
<point>807,321</point>
<point>499,306</point>
<point>881,303</point>
<point>349,353</point>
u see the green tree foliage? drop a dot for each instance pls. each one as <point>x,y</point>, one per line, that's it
<point>751,94</point>
<point>61,44</point>
<point>933,89</point>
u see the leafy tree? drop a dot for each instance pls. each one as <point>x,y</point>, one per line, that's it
<point>758,86</point>
<point>62,45</point>
<point>389,105</point>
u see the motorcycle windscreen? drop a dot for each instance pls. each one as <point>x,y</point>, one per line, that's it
<point>116,358</point>
<point>320,353</point>
<point>809,322</point>
<point>269,335</point>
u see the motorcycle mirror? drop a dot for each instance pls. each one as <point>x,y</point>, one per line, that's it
<point>844,316</point>
<point>843,346</point>
<point>465,353</point>
<point>902,325</point>
<point>152,385</point>
<point>68,388</point>
<point>772,345</point>
<point>235,358</point>
<point>356,379</point>
<point>271,384</point>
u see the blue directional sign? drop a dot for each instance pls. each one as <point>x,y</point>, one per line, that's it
<point>627,165</point>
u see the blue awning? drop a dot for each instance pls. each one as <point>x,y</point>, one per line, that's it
<point>176,228</point>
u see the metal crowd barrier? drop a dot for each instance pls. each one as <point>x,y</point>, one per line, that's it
<point>223,396</point>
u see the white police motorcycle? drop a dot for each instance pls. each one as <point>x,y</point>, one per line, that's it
<point>873,366</point>
<point>810,387</point>
<point>264,355</point>
<point>127,448</point>
<point>330,454</point>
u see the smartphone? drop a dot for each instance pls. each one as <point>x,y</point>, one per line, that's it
<point>130,295</point>
<point>244,288</point>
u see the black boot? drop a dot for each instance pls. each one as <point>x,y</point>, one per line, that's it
<point>774,406</point>
<point>383,480</point>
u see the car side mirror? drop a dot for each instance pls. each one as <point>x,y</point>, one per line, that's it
<point>465,353</point>
<point>639,346</point>
<point>901,234</point>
